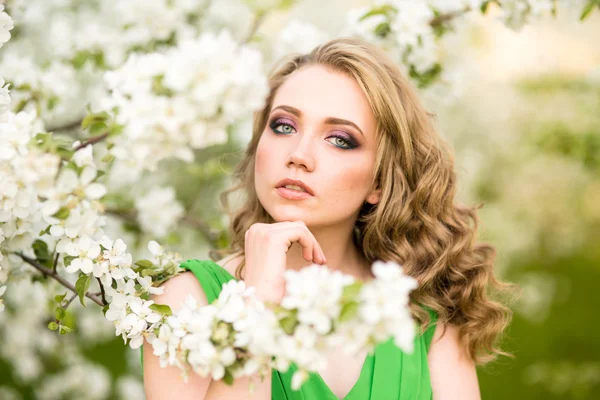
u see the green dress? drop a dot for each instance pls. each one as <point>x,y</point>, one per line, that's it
<point>387,373</point>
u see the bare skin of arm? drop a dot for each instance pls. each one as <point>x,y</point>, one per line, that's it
<point>453,373</point>
<point>167,383</point>
<point>266,247</point>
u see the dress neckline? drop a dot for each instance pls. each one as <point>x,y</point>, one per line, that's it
<point>316,374</point>
<point>361,376</point>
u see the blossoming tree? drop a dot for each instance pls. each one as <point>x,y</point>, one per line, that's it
<point>100,97</point>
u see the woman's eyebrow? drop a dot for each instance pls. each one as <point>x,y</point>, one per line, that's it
<point>328,120</point>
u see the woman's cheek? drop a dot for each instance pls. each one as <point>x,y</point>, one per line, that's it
<point>348,184</point>
<point>260,158</point>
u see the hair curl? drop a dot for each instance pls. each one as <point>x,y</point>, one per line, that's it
<point>416,222</point>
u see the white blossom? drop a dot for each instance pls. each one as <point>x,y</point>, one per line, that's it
<point>515,13</point>
<point>169,108</point>
<point>86,251</point>
<point>159,211</point>
<point>446,6</point>
<point>4,97</point>
<point>298,37</point>
<point>6,24</point>
<point>82,380</point>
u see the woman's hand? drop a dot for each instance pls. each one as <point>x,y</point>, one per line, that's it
<point>266,247</point>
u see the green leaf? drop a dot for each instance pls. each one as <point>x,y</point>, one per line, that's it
<point>42,254</point>
<point>289,322</point>
<point>24,86</point>
<point>349,311</point>
<point>21,105</point>
<point>90,119</point>
<point>98,128</point>
<point>228,378</point>
<point>60,297</point>
<point>161,309</point>
<point>159,88</point>
<point>65,329</point>
<point>63,213</point>
<point>150,272</point>
<point>87,120</point>
<point>68,259</point>
<point>426,78</point>
<point>588,9</point>
<point>286,4</point>
<point>382,29</point>
<point>144,263</point>
<point>115,129</point>
<point>52,102</point>
<point>82,286</point>
<point>484,6</point>
<point>79,59</point>
<point>107,158</point>
<point>383,10</point>
<point>64,153</point>
<point>59,313</point>
<point>105,309</point>
<point>350,292</point>
<point>45,231</point>
<point>53,326</point>
<point>82,57</point>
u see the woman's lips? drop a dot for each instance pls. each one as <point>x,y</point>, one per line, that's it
<point>292,194</point>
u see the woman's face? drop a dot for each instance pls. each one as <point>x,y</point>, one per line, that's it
<point>320,131</point>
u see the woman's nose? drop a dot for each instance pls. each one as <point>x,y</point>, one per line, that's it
<point>302,153</point>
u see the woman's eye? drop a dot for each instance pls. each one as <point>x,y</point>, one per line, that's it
<point>281,127</point>
<point>341,142</point>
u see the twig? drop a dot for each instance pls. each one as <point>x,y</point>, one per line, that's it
<point>70,301</point>
<point>91,140</point>
<point>442,18</point>
<point>203,227</point>
<point>60,279</point>
<point>55,263</point>
<point>102,291</point>
<point>66,127</point>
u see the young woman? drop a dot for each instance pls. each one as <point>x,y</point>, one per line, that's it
<point>344,168</point>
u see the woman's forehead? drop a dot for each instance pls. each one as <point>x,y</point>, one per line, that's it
<point>320,93</point>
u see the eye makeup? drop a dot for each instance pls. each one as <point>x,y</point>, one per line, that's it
<point>350,143</point>
<point>285,126</point>
<point>284,122</point>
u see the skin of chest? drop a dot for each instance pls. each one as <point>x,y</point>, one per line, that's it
<point>342,371</point>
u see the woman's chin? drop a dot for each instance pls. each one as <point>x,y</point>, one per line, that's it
<point>289,213</point>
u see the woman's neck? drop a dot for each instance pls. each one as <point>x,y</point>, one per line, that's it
<point>340,251</point>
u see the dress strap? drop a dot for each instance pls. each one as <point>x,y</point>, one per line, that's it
<point>210,275</point>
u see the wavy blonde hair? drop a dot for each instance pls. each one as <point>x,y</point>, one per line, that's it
<point>416,222</point>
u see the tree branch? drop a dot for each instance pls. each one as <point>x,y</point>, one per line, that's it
<point>66,127</point>
<point>48,272</point>
<point>70,301</point>
<point>131,216</point>
<point>443,18</point>
<point>91,140</point>
<point>102,291</point>
<point>201,226</point>
<point>55,263</point>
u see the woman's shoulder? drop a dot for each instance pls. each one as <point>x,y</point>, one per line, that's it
<point>201,279</point>
<point>177,289</point>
